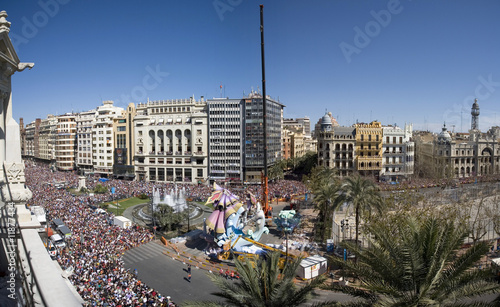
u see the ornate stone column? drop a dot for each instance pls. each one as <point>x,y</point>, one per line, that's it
<point>12,178</point>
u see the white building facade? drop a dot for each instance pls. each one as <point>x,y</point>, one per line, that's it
<point>398,155</point>
<point>84,124</point>
<point>102,138</point>
<point>171,141</point>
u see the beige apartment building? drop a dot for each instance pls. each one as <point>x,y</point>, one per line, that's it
<point>65,147</point>
<point>103,138</point>
<point>171,141</point>
<point>124,144</point>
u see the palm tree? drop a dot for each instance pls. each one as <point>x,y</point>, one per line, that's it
<point>363,195</point>
<point>327,199</point>
<point>418,262</point>
<point>318,176</point>
<point>263,284</point>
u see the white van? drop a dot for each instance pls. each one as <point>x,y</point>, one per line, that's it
<point>58,241</point>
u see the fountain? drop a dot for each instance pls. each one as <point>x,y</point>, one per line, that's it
<point>176,199</point>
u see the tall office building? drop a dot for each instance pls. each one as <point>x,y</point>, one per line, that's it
<point>236,137</point>
<point>254,135</point>
<point>225,139</point>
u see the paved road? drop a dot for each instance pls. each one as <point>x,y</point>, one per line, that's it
<point>169,276</point>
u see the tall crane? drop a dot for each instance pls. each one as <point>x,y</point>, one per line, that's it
<point>265,201</point>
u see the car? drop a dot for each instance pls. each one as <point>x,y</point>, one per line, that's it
<point>52,251</point>
<point>58,241</point>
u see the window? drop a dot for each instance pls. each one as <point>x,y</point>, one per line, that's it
<point>199,172</point>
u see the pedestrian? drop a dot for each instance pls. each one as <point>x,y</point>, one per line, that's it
<point>232,275</point>
<point>189,269</point>
<point>189,277</point>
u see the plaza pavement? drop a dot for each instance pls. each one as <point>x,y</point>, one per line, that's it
<point>164,267</point>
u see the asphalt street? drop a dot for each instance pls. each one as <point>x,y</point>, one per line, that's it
<point>169,276</point>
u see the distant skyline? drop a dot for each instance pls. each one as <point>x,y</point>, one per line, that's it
<point>420,62</point>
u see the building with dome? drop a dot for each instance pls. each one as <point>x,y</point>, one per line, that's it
<point>324,123</point>
<point>384,152</point>
<point>459,155</point>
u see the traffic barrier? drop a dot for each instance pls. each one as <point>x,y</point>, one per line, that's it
<point>164,241</point>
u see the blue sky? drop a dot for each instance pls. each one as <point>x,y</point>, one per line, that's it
<point>419,62</point>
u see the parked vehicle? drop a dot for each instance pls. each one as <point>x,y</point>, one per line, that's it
<point>65,232</point>
<point>58,241</point>
<point>57,223</point>
<point>52,251</point>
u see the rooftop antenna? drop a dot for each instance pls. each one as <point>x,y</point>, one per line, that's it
<point>452,128</point>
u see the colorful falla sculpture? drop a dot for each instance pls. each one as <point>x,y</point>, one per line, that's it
<point>229,218</point>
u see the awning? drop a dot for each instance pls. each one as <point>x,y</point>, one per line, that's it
<point>169,120</point>
<point>160,120</point>
<point>152,121</point>
<point>179,120</point>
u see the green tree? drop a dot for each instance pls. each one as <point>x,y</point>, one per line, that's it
<point>306,163</point>
<point>362,194</point>
<point>328,198</point>
<point>167,218</point>
<point>417,262</point>
<point>318,176</point>
<point>276,170</point>
<point>263,284</point>
<point>100,189</point>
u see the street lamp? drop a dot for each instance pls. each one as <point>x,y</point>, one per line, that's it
<point>287,225</point>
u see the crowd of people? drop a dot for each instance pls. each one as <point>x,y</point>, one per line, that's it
<point>421,183</point>
<point>95,248</point>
